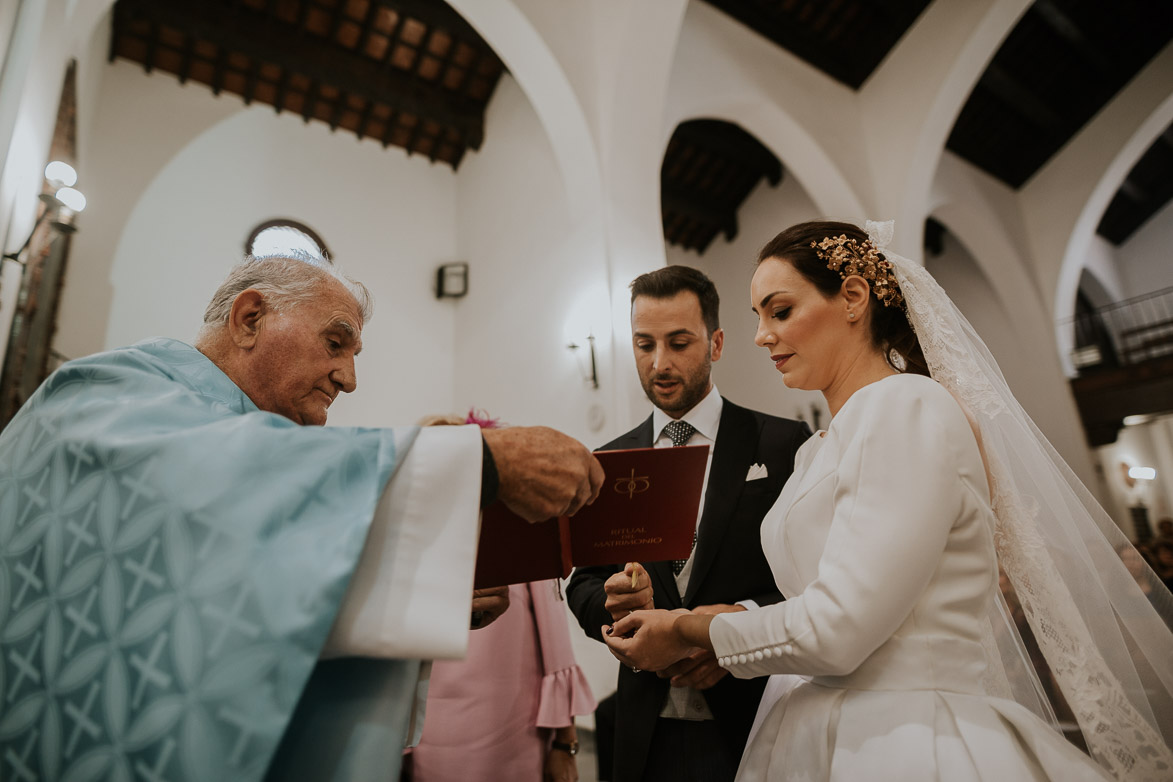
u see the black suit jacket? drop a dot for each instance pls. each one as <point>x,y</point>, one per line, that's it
<point>728,566</point>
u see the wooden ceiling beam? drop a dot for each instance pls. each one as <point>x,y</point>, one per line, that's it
<point>1003,86</point>
<point>721,142</point>
<point>311,98</point>
<point>282,88</point>
<point>435,14</point>
<point>389,128</point>
<point>368,27</point>
<point>152,45</point>
<point>258,35</point>
<point>218,71</point>
<point>185,58</point>
<point>692,205</point>
<point>1075,37</point>
<point>250,81</point>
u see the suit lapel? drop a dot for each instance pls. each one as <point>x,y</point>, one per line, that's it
<point>639,437</point>
<point>732,455</point>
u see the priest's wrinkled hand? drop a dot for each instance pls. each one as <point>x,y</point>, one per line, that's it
<point>698,670</point>
<point>627,591</point>
<point>487,605</point>
<point>647,640</point>
<point>542,472</point>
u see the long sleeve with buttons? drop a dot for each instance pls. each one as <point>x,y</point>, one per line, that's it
<point>902,468</point>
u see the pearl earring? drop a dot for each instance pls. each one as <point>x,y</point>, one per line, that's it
<point>851,315</point>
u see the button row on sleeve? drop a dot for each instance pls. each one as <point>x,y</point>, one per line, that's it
<point>758,656</point>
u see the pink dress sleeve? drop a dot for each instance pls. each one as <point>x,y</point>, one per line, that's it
<point>565,692</point>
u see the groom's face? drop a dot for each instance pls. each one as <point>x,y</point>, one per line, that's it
<point>674,352</point>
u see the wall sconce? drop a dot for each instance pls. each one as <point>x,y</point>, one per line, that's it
<point>593,378</point>
<point>1142,473</point>
<point>59,207</point>
<point>54,207</point>
<point>452,281</point>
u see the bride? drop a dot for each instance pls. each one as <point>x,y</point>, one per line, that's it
<point>894,652</point>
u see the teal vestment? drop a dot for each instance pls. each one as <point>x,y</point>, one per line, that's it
<point>171,562</point>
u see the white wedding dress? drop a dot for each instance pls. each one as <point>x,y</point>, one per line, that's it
<point>881,541</point>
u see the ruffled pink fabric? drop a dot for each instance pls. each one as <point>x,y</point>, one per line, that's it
<point>565,693</point>
<point>490,717</point>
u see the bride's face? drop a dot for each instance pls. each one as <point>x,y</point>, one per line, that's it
<point>802,329</point>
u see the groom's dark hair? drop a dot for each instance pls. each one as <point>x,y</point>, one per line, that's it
<point>671,280</point>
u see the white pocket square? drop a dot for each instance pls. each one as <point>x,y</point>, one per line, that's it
<point>756,471</point>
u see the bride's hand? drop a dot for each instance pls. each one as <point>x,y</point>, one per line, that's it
<point>646,640</point>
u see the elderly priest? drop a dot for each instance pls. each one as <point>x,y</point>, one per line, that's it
<point>200,582</point>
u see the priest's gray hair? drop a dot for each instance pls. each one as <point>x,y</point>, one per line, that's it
<point>285,281</point>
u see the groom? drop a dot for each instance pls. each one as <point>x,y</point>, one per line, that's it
<point>692,721</point>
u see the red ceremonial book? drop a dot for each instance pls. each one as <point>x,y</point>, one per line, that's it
<point>646,512</point>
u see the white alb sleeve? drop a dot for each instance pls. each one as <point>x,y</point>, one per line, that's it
<point>411,594</point>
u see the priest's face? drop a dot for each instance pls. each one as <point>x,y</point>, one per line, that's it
<point>674,352</point>
<point>304,355</point>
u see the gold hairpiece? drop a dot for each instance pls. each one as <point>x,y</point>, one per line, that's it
<point>850,256</point>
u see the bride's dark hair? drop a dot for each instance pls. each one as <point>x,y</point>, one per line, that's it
<point>890,329</point>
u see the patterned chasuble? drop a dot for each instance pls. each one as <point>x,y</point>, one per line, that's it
<point>171,561</point>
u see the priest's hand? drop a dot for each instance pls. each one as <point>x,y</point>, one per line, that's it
<point>627,591</point>
<point>542,472</point>
<point>487,605</point>
<point>648,640</point>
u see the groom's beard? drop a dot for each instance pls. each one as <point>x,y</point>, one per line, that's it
<point>689,390</point>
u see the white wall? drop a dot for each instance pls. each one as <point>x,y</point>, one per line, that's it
<point>1146,259</point>
<point>533,287</point>
<point>138,123</point>
<point>531,281</point>
<point>31,75</point>
<point>388,219</point>
<point>1145,445</point>
<point>745,374</point>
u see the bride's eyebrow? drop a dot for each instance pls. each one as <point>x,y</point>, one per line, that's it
<point>766,300</point>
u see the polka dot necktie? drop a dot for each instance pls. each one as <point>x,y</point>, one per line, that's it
<point>680,432</point>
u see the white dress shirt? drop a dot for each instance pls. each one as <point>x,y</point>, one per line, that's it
<point>685,703</point>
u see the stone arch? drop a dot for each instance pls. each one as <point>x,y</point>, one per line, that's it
<point>944,55</point>
<point>959,205</point>
<point>1106,184</point>
<point>801,155</point>
<point>521,47</point>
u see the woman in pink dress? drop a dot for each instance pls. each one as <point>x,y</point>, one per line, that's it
<point>506,712</point>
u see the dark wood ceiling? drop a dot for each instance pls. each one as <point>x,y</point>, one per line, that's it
<point>1061,64</point>
<point>408,73</point>
<point>846,39</point>
<point>709,169</point>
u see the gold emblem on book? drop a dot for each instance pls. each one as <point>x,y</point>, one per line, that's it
<point>633,484</point>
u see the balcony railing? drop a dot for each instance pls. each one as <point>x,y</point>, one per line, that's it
<point>1124,333</point>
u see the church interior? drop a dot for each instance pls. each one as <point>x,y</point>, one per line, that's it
<point>498,171</point>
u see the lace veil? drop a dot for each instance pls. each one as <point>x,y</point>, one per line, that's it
<point>1108,645</point>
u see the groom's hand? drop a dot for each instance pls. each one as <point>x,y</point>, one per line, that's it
<point>627,591</point>
<point>699,670</point>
